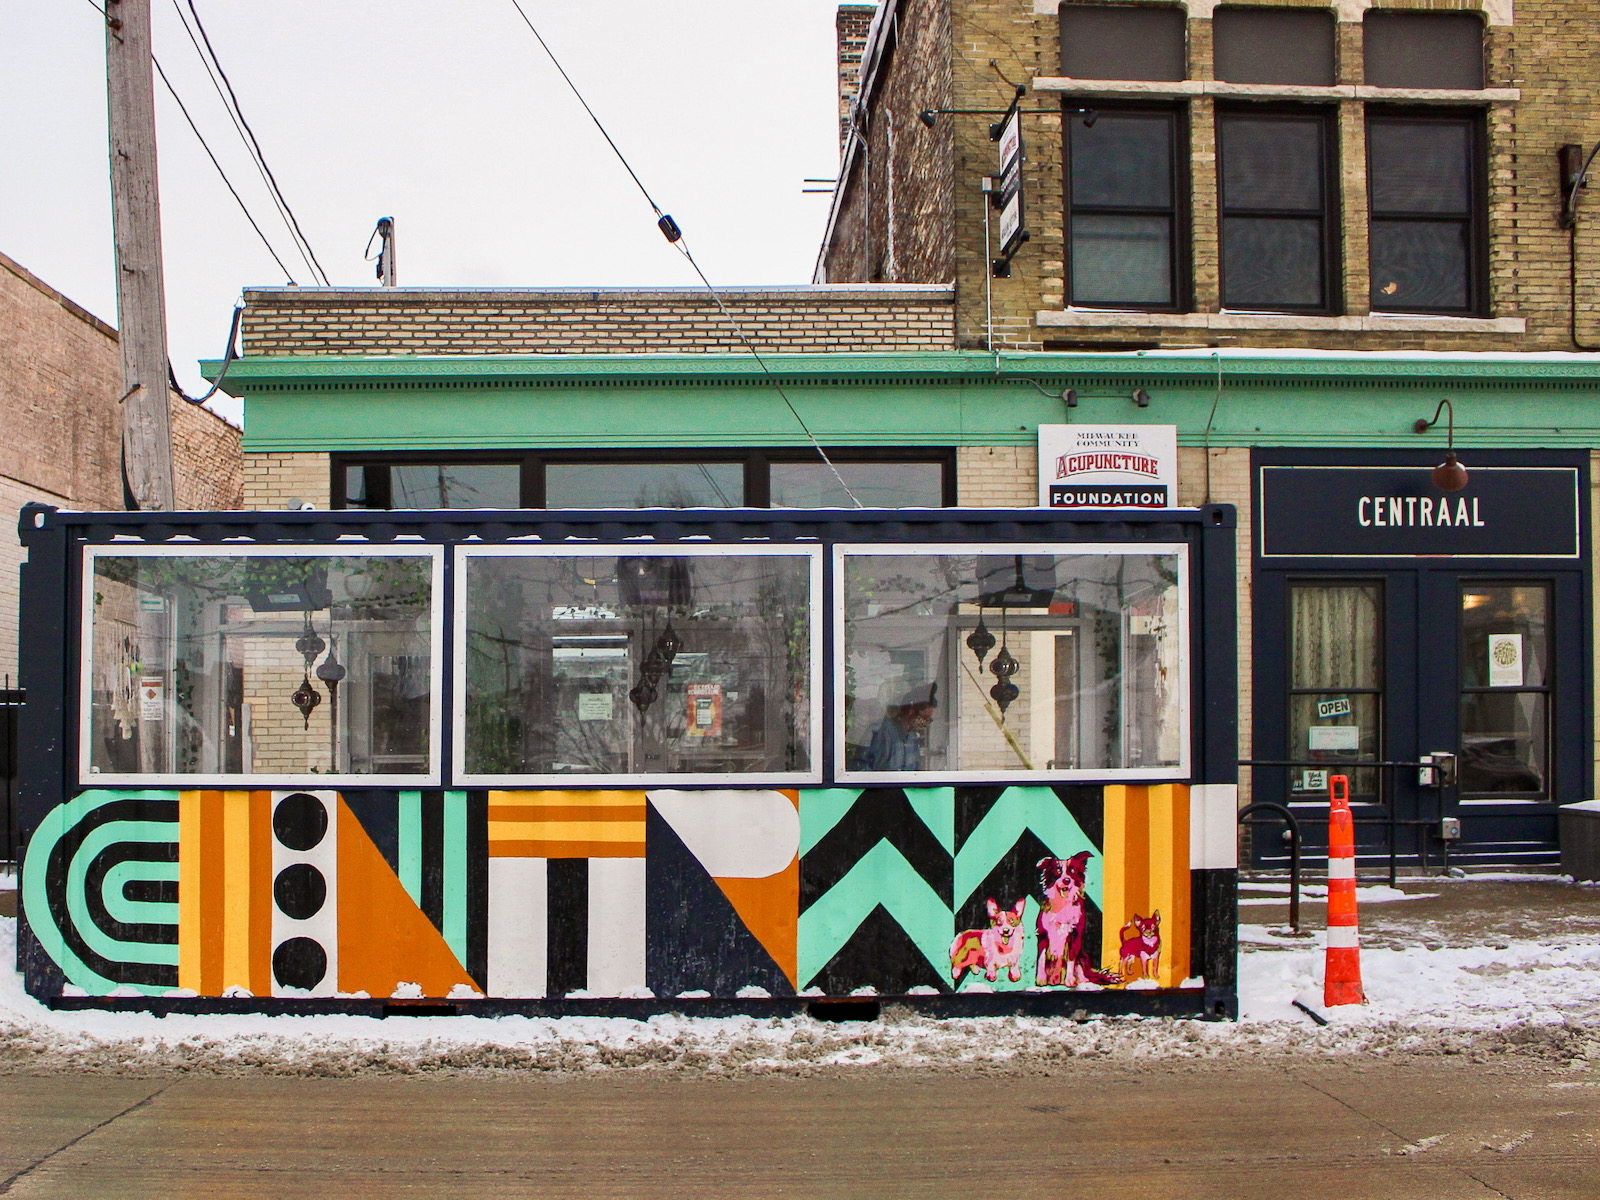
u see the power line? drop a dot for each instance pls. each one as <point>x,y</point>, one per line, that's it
<point>238,128</point>
<point>178,100</point>
<point>211,59</point>
<point>674,235</point>
<point>288,274</point>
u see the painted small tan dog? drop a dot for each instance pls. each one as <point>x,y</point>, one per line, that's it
<point>990,949</point>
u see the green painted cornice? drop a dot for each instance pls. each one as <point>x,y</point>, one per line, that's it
<point>255,374</point>
<point>493,402</point>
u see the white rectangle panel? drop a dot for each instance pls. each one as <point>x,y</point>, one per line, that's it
<point>519,923</point>
<point>1214,827</point>
<point>616,926</point>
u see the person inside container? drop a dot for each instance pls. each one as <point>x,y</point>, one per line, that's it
<point>898,739</point>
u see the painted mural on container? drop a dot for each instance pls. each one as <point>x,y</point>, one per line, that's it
<point>584,893</point>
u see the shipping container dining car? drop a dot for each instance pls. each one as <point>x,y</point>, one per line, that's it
<point>625,762</point>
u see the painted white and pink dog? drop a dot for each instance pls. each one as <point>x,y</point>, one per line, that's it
<point>993,949</point>
<point>1063,960</point>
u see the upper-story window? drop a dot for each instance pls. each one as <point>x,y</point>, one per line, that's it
<point>1278,211</point>
<point>1425,180</point>
<point>1124,236</point>
<point>1423,49</point>
<point>1274,45</point>
<point>1101,41</point>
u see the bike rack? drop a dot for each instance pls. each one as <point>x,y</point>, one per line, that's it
<point>1289,819</point>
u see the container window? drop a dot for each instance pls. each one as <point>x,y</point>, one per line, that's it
<point>235,666</point>
<point>1004,662</point>
<point>628,664</point>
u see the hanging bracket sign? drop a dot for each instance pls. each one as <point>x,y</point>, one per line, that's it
<point>1108,466</point>
<point>1008,199</point>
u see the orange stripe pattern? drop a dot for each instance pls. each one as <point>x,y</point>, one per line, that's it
<point>566,824</point>
<point>225,892</point>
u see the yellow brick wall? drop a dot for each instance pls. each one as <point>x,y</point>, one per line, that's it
<point>273,481</point>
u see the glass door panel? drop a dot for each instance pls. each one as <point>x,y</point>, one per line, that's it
<point>1335,685</point>
<point>1505,690</point>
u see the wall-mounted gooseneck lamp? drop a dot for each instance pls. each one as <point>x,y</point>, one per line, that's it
<point>1450,475</point>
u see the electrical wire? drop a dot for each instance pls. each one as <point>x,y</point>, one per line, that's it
<point>674,235</point>
<point>178,100</point>
<point>209,57</point>
<point>228,356</point>
<point>233,191</point>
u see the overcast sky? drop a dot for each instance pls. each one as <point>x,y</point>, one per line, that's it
<point>446,115</point>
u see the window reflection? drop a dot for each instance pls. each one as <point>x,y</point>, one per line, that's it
<point>644,485</point>
<point>625,663</point>
<point>434,485</point>
<point>1011,663</point>
<point>874,484</point>
<point>280,665</point>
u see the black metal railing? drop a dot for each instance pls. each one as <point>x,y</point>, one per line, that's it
<point>1383,812</point>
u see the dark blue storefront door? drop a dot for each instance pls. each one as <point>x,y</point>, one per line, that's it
<point>1387,644</point>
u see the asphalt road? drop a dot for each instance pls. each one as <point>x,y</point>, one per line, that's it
<point>1439,1129</point>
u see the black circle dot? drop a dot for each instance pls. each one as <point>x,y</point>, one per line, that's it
<point>300,821</point>
<point>300,891</point>
<point>299,963</point>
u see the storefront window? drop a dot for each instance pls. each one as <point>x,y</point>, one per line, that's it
<point>627,663</point>
<point>1505,690</point>
<point>644,485</point>
<point>874,484</point>
<point>226,664</point>
<point>434,485</point>
<point>1011,661</point>
<point>1336,685</point>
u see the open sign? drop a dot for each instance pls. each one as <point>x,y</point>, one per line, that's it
<point>1333,708</point>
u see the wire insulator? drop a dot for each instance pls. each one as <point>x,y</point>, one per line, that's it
<point>669,228</point>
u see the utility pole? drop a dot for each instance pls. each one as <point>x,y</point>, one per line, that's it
<point>136,219</point>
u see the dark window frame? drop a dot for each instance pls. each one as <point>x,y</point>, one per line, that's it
<point>1181,253</point>
<point>1332,214</point>
<point>1547,689</point>
<point>1476,220</point>
<point>1290,691</point>
<point>756,462</point>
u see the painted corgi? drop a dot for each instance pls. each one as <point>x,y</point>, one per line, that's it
<point>990,949</point>
<point>1141,947</point>
<point>1063,961</point>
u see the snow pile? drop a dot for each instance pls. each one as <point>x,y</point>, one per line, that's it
<point>1522,998</point>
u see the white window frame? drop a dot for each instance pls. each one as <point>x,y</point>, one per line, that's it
<point>1016,777</point>
<point>567,780</point>
<point>256,782</point>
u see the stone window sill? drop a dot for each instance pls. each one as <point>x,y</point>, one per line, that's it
<point>1272,91</point>
<point>1081,318</point>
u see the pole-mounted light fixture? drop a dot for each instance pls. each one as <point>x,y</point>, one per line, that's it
<point>928,115</point>
<point>1450,475</point>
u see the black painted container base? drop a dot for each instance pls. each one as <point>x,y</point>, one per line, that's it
<point>1199,1003</point>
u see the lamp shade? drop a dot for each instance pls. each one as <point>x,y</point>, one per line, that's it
<point>1450,475</point>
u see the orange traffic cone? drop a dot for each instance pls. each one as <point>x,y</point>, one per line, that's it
<point>1341,980</point>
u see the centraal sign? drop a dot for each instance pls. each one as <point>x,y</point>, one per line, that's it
<point>1108,466</point>
<point>1383,511</point>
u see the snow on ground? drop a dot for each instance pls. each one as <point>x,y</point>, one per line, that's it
<point>1532,999</point>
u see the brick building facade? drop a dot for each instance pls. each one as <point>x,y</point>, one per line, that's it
<point>60,376</point>
<point>922,186</point>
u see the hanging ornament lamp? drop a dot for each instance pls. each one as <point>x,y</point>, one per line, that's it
<point>980,641</point>
<point>643,694</point>
<point>669,644</point>
<point>306,698</point>
<point>1004,666</point>
<point>310,645</point>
